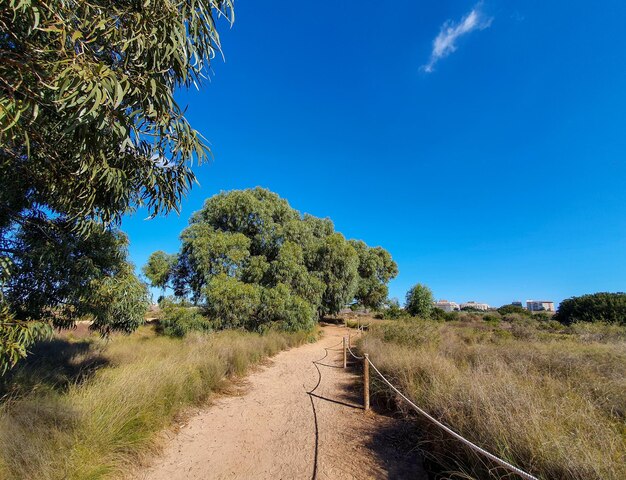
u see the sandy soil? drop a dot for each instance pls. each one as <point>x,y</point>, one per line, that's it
<point>300,418</point>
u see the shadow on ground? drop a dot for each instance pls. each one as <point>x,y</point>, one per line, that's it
<point>393,442</point>
<point>396,442</point>
<point>53,365</point>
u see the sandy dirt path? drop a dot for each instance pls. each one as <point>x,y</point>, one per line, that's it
<point>300,418</point>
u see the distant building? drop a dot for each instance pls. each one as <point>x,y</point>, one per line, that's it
<point>517,304</point>
<point>447,306</point>
<point>540,305</point>
<point>475,305</point>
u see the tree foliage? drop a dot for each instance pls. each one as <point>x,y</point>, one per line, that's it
<point>89,130</point>
<point>376,268</point>
<point>596,307</point>
<point>419,301</point>
<point>335,263</point>
<point>88,122</point>
<point>253,261</point>
<point>159,269</point>
<point>58,277</point>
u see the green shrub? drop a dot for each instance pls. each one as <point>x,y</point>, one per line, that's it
<point>290,312</point>
<point>491,318</point>
<point>414,331</point>
<point>471,309</point>
<point>542,316</point>
<point>232,303</point>
<point>179,318</point>
<point>597,331</point>
<point>513,309</point>
<point>515,317</point>
<point>394,311</point>
<point>597,307</point>
<point>501,334</point>
<point>443,316</point>
<point>524,330</point>
<point>551,325</point>
<point>468,317</point>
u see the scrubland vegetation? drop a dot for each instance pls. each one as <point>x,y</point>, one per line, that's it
<point>88,137</point>
<point>549,398</point>
<point>89,408</point>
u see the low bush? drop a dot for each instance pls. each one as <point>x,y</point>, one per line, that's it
<point>516,317</point>
<point>468,317</point>
<point>513,309</point>
<point>596,331</point>
<point>491,318</point>
<point>543,316</point>
<point>179,319</point>
<point>394,312</point>
<point>443,316</point>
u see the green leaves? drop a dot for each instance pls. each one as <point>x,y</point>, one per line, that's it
<point>334,262</point>
<point>376,268</point>
<point>233,303</point>
<point>17,336</point>
<point>59,277</point>
<point>250,246</point>
<point>90,130</point>
<point>159,269</point>
<point>87,100</point>
<point>419,301</point>
<point>596,307</point>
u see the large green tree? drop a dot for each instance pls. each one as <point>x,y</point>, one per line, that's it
<point>89,130</point>
<point>252,260</point>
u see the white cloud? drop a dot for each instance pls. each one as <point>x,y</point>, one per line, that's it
<point>445,43</point>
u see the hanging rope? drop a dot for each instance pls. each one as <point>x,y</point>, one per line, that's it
<point>463,440</point>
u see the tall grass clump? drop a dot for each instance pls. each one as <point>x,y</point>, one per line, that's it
<point>551,401</point>
<point>94,409</point>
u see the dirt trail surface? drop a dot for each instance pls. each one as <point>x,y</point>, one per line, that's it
<point>300,418</point>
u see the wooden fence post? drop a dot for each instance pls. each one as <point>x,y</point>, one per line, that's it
<point>345,353</point>
<point>349,343</point>
<point>366,382</point>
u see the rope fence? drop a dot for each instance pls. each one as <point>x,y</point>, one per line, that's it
<point>366,400</point>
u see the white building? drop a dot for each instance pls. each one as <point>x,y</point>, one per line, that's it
<point>447,306</point>
<point>478,306</point>
<point>540,305</point>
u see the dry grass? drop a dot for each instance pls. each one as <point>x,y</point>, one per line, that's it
<point>550,400</point>
<point>85,409</point>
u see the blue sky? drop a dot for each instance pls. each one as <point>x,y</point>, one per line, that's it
<point>482,144</point>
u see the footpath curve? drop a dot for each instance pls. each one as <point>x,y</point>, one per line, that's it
<point>301,417</point>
